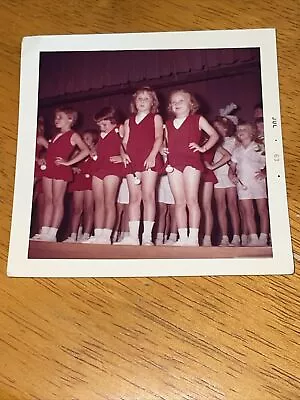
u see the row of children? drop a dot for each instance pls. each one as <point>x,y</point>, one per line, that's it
<point>227,159</point>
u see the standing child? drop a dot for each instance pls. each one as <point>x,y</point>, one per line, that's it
<point>209,180</point>
<point>107,175</point>
<point>142,142</point>
<point>58,170</point>
<point>248,162</point>
<point>224,190</point>
<point>81,188</point>
<point>184,133</point>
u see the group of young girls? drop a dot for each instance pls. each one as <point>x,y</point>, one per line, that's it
<point>149,182</point>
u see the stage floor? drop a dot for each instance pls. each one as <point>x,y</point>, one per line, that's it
<point>42,250</point>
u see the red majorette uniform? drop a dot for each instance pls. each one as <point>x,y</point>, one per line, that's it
<point>107,147</point>
<point>59,146</point>
<point>208,156</point>
<point>180,155</point>
<point>140,143</point>
<point>83,180</point>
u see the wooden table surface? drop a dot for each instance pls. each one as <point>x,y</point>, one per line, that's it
<point>169,338</point>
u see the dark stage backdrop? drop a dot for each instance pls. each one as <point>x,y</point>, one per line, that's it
<point>88,81</point>
<point>243,90</point>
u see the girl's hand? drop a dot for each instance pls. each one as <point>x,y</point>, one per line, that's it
<point>93,152</point>
<point>41,161</point>
<point>149,162</point>
<point>61,161</point>
<point>42,142</point>
<point>125,159</point>
<point>116,159</point>
<point>234,179</point>
<point>260,175</point>
<point>76,170</point>
<point>231,175</point>
<point>164,151</point>
<point>208,166</point>
<point>195,147</point>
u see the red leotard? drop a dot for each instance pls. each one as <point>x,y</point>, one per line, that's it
<point>83,180</point>
<point>140,143</point>
<point>107,147</point>
<point>180,155</point>
<point>61,147</point>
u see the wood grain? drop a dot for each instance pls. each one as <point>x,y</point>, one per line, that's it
<point>221,338</point>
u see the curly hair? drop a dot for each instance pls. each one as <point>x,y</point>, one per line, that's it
<point>151,92</point>
<point>194,106</point>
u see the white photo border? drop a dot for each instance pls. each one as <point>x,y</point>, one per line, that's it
<point>20,265</point>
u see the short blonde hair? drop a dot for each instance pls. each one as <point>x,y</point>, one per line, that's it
<point>151,92</point>
<point>250,125</point>
<point>193,102</point>
<point>70,112</point>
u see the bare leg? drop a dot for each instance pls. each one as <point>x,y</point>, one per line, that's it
<point>148,194</point>
<point>177,188</point>
<point>59,189</point>
<point>98,193</point>
<point>248,213</point>
<point>173,225</point>
<point>233,209</point>
<point>191,180</point>
<point>243,219</point>
<point>77,210</point>
<point>125,219</point>
<point>119,218</point>
<point>111,185</point>
<point>135,197</point>
<point>220,197</point>
<point>262,208</point>
<point>162,212</point>
<point>88,211</point>
<point>48,208</point>
<point>206,204</point>
<point>168,223</point>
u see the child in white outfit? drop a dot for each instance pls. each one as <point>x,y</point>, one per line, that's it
<point>248,162</point>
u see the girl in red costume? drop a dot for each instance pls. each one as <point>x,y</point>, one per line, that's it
<point>107,175</point>
<point>81,187</point>
<point>141,144</point>
<point>58,170</point>
<point>184,135</point>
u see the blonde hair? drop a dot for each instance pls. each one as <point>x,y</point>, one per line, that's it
<point>70,112</point>
<point>151,92</point>
<point>253,130</point>
<point>194,106</point>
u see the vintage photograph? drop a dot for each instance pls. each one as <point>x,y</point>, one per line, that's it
<point>150,154</point>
